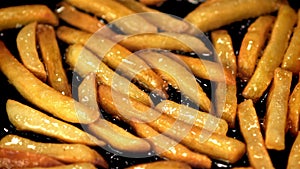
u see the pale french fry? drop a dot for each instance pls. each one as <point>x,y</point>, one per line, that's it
<point>294,157</point>
<point>26,43</point>
<point>67,153</point>
<point>213,145</point>
<point>72,36</point>
<point>17,16</point>
<point>40,94</point>
<point>161,164</point>
<point>252,45</point>
<point>28,119</point>
<point>152,2</point>
<point>294,110</point>
<point>257,153</point>
<point>69,166</point>
<point>85,62</point>
<point>57,77</point>
<point>112,11</point>
<point>178,76</point>
<point>78,19</point>
<point>224,13</point>
<point>277,107</point>
<point>170,149</point>
<point>272,55</point>
<point>291,59</point>
<point>200,119</point>
<point>114,135</point>
<point>20,159</point>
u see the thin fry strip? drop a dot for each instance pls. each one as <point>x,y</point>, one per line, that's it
<point>294,110</point>
<point>277,107</point>
<point>224,14</point>
<point>294,157</point>
<point>152,2</point>
<point>69,166</point>
<point>67,153</point>
<point>26,43</point>
<point>72,36</point>
<point>216,146</point>
<point>161,164</point>
<point>57,77</point>
<point>273,54</point>
<point>257,153</point>
<point>170,149</point>
<point>252,45</point>
<point>42,95</point>
<point>17,16</point>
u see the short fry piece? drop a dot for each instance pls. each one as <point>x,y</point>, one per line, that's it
<point>294,110</point>
<point>57,77</point>
<point>257,153</point>
<point>69,166</point>
<point>294,157</point>
<point>40,94</point>
<point>67,153</point>
<point>17,16</point>
<point>28,119</point>
<point>26,43</point>
<point>273,54</point>
<point>161,164</point>
<point>277,107</point>
<point>252,45</point>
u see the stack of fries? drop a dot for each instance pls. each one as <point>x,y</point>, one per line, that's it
<point>122,75</point>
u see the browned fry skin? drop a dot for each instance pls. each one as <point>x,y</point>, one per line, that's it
<point>228,11</point>
<point>152,2</point>
<point>294,110</point>
<point>52,58</point>
<point>273,54</point>
<point>69,166</point>
<point>72,36</point>
<point>293,161</point>
<point>161,164</point>
<point>40,94</point>
<point>26,43</point>
<point>20,159</point>
<point>252,45</point>
<point>17,16</point>
<point>202,141</point>
<point>170,149</point>
<point>277,107</point>
<point>250,128</point>
<point>67,153</point>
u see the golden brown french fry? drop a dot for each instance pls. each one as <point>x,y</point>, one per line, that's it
<point>170,149</point>
<point>242,167</point>
<point>277,107</point>
<point>252,45</point>
<point>19,159</point>
<point>257,153</point>
<point>85,62</point>
<point>69,166</point>
<point>78,19</point>
<point>17,16</point>
<point>294,157</point>
<point>57,77</point>
<point>294,110</point>
<point>273,54</point>
<point>152,2</point>
<point>178,76</point>
<point>67,153</point>
<point>161,164</point>
<point>28,119</point>
<point>224,14</point>
<point>42,95</point>
<point>26,43</point>
<point>215,146</point>
<point>72,36</point>
<point>112,11</point>
<point>200,119</point>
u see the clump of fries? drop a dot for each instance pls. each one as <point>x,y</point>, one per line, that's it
<point>119,72</point>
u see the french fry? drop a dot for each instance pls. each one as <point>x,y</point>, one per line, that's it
<point>40,94</point>
<point>28,119</point>
<point>170,149</point>
<point>69,166</point>
<point>252,45</point>
<point>257,153</point>
<point>272,55</point>
<point>200,119</point>
<point>294,110</point>
<point>112,11</point>
<point>72,36</point>
<point>293,160</point>
<point>20,159</point>
<point>67,153</point>
<point>17,16</point>
<point>57,77</point>
<point>85,62</point>
<point>206,20</point>
<point>161,164</point>
<point>26,43</point>
<point>277,107</point>
<point>152,2</point>
<point>213,145</point>
<point>178,76</point>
